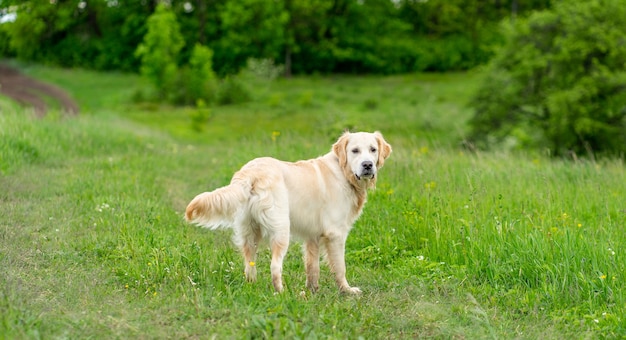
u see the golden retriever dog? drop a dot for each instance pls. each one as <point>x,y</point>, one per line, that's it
<point>316,201</point>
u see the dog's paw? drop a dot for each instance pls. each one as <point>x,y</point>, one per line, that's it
<point>312,287</point>
<point>250,273</point>
<point>352,290</point>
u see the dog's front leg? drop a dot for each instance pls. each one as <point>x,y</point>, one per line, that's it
<point>312,263</point>
<point>335,248</point>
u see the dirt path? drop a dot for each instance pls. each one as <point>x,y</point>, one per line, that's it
<point>33,93</point>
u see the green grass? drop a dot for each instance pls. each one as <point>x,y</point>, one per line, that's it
<point>450,245</point>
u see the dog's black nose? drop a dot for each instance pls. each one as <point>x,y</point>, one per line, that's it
<point>367,165</point>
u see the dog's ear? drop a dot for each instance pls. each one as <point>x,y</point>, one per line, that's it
<point>339,148</point>
<point>384,149</point>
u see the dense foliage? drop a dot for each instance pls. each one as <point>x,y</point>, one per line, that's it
<point>159,50</point>
<point>307,36</point>
<point>560,82</point>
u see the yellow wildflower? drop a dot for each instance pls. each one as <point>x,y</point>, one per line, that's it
<point>275,135</point>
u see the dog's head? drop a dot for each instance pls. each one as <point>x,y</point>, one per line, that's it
<point>361,154</point>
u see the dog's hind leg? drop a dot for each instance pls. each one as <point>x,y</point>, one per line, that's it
<point>249,247</point>
<point>278,245</point>
<point>270,209</point>
<point>276,222</point>
<point>247,237</point>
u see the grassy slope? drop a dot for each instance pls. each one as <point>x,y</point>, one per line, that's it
<point>450,244</point>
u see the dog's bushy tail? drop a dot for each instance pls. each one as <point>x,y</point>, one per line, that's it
<point>219,207</point>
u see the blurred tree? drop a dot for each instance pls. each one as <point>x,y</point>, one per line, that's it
<point>200,22</point>
<point>369,37</point>
<point>38,26</point>
<point>159,50</point>
<point>559,82</point>
<point>121,27</point>
<point>386,36</point>
<point>304,31</point>
<point>197,81</point>
<point>250,28</point>
<point>459,34</point>
<point>94,34</point>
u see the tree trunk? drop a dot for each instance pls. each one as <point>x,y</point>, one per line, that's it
<point>201,10</point>
<point>288,62</point>
<point>514,8</point>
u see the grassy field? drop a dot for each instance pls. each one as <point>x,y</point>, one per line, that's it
<point>452,244</point>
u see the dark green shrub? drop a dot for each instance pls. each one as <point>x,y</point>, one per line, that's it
<point>370,104</point>
<point>5,43</point>
<point>559,82</point>
<point>232,90</point>
<point>455,52</point>
<point>202,79</point>
<point>197,81</point>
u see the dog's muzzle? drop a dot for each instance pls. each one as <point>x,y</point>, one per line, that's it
<point>367,170</point>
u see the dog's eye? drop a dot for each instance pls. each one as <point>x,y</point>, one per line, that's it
<point>355,151</point>
<point>373,149</point>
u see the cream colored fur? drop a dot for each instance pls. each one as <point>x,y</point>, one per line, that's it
<point>316,201</point>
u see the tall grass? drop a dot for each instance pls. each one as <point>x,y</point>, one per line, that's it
<point>548,231</point>
<point>451,244</point>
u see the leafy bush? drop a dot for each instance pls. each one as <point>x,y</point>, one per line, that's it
<point>264,69</point>
<point>559,82</point>
<point>197,81</point>
<point>200,116</point>
<point>159,50</point>
<point>202,79</point>
<point>258,73</point>
<point>5,42</point>
<point>232,90</point>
